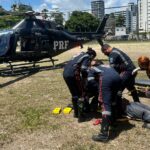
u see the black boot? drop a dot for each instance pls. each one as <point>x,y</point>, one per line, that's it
<point>86,106</point>
<point>94,104</point>
<point>75,107</point>
<point>81,115</point>
<point>135,95</point>
<point>103,136</point>
<point>114,113</point>
<point>119,109</point>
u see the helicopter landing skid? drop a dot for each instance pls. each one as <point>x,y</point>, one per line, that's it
<point>34,63</point>
<point>13,68</point>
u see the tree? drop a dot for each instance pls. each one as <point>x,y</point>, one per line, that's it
<point>7,21</point>
<point>44,15</point>
<point>120,21</point>
<point>14,7</point>
<point>57,17</point>
<point>2,11</point>
<point>44,10</point>
<point>82,22</point>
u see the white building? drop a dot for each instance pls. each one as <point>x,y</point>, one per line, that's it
<point>117,13</point>
<point>144,15</point>
<point>98,9</point>
<point>122,13</point>
<point>134,24</point>
<point>119,31</point>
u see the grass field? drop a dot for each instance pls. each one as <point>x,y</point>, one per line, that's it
<point>27,101</point>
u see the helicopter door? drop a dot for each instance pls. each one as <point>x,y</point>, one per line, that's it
<point>5,39</point>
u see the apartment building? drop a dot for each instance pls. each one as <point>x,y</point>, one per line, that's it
<point>131,17</point>
<point>98,8</point>
<point>144,15</point>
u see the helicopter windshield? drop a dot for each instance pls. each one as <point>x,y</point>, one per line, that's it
<point>29,24</point>
<point>18,24</point>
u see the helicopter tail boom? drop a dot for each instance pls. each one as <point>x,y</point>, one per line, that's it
<point>98,35</point>
<point>101,27</point>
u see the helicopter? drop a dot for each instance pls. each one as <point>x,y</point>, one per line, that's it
<point>34,39</point>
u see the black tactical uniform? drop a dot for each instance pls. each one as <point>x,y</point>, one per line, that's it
<point>108,85</point>
<point>75,74</point>
<point>124,66</point>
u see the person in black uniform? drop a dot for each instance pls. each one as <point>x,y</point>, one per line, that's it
<point>75,75</point>
<point>108,82</point>
<point>124,66</point>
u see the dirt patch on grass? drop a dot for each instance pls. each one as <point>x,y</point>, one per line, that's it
<point>27,122</point>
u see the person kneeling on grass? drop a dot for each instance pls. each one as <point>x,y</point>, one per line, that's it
<point>108,86</point>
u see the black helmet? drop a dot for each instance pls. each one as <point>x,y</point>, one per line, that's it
<point>91,52</point>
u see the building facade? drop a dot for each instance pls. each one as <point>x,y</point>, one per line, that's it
<point>21,7</point>
<point>131,18</point>
<point>119,31</point>
<point>98,8</point>
<point>122,13</point>
<point>117,13</point>
<point>130,15</point>
<point>144,15</point>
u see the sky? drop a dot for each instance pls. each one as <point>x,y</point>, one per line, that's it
<point>63,5</point>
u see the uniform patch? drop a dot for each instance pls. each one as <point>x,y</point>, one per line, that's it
<point>111,60</point>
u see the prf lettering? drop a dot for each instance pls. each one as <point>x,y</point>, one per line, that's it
<point>60,45</point>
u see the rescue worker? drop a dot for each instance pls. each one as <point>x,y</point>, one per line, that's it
<point>144,64</point>
<point>122,63</point>
<point>75,75</point>
<point>108,85</point>
<point>92,87</point>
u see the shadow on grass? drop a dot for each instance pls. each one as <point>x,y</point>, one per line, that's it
<point>24,72</point>
<point>15,80</point>
<point>120,127</point>
<point>91,115</point>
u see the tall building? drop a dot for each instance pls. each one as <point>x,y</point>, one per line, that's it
<point>131,17</point>
<point>144,15</point>
<point>97,8</point>
<point>117,13</point>
<point>122,13</point>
